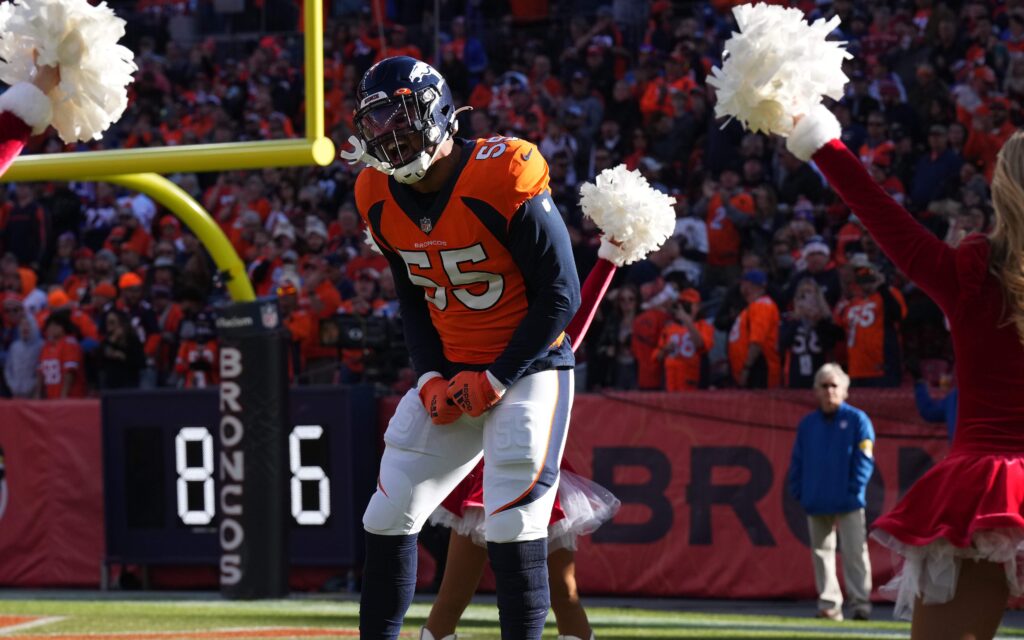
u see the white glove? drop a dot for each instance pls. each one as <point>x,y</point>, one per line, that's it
<point>359,154</point>
<point>814,131</point>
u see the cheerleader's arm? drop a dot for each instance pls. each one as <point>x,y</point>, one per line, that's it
<point>926,259</point>
<point>591,294</point>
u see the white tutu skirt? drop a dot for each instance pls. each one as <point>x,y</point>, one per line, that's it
<point>585,506</point>
<point>931,571</point>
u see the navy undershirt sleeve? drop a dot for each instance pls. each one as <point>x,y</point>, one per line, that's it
<point>421,338</point>
<point>540,245</point>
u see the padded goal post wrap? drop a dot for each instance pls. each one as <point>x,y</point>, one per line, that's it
<point>252,474</point>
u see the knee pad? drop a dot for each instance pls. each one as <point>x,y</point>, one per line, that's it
<point>519,524</point>
<point>389,510</point>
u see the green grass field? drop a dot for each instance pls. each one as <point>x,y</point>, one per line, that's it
<point>298,619</point>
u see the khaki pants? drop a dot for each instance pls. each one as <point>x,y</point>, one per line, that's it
<point>856,564</point>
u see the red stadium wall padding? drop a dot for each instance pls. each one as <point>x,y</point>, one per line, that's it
<point>701,477</point>
<point>51,529</point>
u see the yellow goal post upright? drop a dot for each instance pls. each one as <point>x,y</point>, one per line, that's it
<point>253,359</point>
<point>143,170</point>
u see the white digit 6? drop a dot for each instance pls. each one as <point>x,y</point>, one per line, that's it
<point>302,473</point>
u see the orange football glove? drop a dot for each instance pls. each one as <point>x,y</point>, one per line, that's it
<point>473,392</point>
<point>434,395</point>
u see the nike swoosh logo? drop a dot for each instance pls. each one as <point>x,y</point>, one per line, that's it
<point>526,156</point>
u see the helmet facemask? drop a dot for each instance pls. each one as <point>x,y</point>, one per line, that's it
<point>401,132</point>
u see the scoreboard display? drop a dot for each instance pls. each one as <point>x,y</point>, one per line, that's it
<point>161,475</point>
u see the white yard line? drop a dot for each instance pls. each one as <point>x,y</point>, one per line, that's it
<point>31,624</point>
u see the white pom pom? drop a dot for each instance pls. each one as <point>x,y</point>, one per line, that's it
<point>627,209</point>
<point>371,242</point>
<point>82,40</point>
<point>777,67</point>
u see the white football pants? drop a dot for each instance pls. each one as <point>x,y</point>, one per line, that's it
<point>521,440</point>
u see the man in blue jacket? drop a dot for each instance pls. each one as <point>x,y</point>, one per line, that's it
<point>832,462</point>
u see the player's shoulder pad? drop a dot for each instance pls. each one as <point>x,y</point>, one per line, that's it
<point>514,168</point>
<point>371,187</point>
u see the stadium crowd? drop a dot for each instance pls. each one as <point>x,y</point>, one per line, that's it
<point>767,277</point>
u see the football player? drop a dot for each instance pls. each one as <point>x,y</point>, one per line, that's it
<point>487,284</point>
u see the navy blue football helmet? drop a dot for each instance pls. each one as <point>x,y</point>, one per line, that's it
<point>404,113</point>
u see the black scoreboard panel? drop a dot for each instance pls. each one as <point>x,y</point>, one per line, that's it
<point>161,465</point>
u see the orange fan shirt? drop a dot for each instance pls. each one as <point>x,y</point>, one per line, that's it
<point>682,362</point>
<point>864,321</point>
<point>56,361</point>
<point>723,236</point>
<point>474,289</point>
<point>191,354</point>
<point>757,324</point>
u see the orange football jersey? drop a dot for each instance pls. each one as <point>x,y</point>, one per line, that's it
<point>759,324</point>
<point>457,250</point>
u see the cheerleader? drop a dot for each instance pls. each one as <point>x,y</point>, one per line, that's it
<point>960,527</point>
<point>581,506</point>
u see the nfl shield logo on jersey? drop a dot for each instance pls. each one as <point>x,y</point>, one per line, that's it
<point>426,226</point>
<point>268,315</point>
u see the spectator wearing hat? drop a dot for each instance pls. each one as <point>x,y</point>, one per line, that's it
<point>808,335</point>
<point>754,337</point>
<point>871,320</point>
<point>131,302</point>
<point>195,365</point>
<point>678,79</point>
<point>647,327</point>
<point>121,358</point>
<point>83,327</point>
<point>817,265</point>
<point>581,94</point>
<point>936,171</point>
<point>61,372</point>
<point>832,461</point>
<point>684,343</point>
<point>21,357</point>
<point>315,237</point>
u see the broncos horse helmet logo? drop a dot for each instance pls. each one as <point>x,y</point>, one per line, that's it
<point>420,70</point>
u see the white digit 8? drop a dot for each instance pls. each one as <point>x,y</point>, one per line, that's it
<point>302,473</point>
<point>203,473</point>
